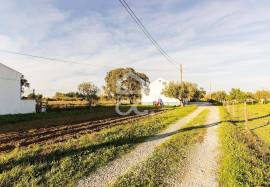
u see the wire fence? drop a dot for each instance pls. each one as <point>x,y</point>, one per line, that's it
<point>251,115</point>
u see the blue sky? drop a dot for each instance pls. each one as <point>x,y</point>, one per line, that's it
<point>226,42</point>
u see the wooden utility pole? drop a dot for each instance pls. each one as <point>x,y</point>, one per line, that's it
<point>181,81</point>
<point>181,74</point>
<point>233,109</point>
<point>210,90</point>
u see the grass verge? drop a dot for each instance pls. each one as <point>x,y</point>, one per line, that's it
<point>259,119</point>
<point>65,163</point>
<point>245,159</point>
<point>168,158</point>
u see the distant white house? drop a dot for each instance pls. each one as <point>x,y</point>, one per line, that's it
<point>155,94</point>
<point>10,93</point>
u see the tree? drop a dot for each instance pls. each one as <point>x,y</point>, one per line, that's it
<point>125,83</point>
<point>88,91</point>
<point>183,91</point>
<point>59,96</point>
<point>219,96</point>
<point>24,84</point>
<point>199,94</point>
<point>34,96</point>
<point>73,95</point>
<point>237,95</point>
<point>262,95</point>
<point>193,91</point>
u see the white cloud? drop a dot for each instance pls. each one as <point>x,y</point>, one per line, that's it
<point>222,41</point>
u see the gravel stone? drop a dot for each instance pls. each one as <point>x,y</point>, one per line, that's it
<point>108,174</point>
<point>202,166</point>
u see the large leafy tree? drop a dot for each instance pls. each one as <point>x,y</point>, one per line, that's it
<point>182,91</point>
<point>88,91</point>
<point>125,83</point>
<point>237,95</point>
<point>219,96</point>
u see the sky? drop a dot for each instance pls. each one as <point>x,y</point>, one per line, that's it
<point>225,42</point>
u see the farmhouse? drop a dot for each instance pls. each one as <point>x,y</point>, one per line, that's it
<point>155,94</point>
<point>10,93</point>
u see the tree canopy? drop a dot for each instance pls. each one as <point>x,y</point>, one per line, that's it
<point>24,84</point>
<point>182,91</point>
<point>88,91</point>
<point>239,96</point>
<point>262,95</point>
<point>125,83</point>
<point>219,96</point>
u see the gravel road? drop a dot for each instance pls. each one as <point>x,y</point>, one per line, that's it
<point>105,175</point>
<point>202,166</point>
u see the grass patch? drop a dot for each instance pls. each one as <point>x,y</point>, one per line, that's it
<point>245,159</point>
<point>259,119</point>
<point>65,163</point>
<point>168,158</point>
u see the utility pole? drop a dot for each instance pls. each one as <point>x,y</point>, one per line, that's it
<point>181,82</point>
<point>181,74</point>
<point>210,90</point>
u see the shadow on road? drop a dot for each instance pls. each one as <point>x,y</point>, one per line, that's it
<point>57,155</point>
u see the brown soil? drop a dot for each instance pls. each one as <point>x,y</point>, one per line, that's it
<point>49,135</point>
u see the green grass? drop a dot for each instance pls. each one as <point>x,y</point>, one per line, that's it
<point>245,159</point>
<point>168,158</point>
<point>259,119</point>
<point>40,120</point>
<point>65,163</point>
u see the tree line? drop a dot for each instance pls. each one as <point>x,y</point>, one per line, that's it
<point>126,84</point>
<point>236,95</point>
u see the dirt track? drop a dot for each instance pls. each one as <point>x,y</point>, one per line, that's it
<point>109,173</point>
<point>9,140</point>
<point>202,166</point>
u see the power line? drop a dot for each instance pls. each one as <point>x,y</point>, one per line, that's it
<point>68,61</point>
<point>49,58</point>
<point>139,23</point>
<point>146,32</point>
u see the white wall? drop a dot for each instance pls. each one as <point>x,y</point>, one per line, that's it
<point>10,93</point>
<point>155,93</point>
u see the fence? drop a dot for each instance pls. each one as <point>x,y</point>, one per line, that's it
<point>247,113</point>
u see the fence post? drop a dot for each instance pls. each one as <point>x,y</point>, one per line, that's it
<point>233,110</point>
<point>245,115</point>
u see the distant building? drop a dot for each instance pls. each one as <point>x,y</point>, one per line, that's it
<point>155,94</point>
<point>10,93</point>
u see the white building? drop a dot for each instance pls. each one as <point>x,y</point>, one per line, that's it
<point>155,94</point>
<point>10,93</point>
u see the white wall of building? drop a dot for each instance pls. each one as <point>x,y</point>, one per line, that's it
<point>10,93</point>
<point>155,94</point>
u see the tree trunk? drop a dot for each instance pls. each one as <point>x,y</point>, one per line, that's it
<point>131,99</point>
<point>181,103</point>
<point>90,100</point>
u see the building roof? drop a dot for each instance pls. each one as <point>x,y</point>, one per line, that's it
<point>5,66</point>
